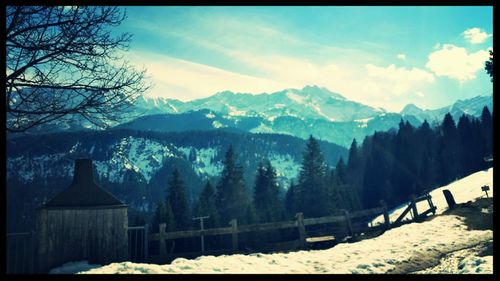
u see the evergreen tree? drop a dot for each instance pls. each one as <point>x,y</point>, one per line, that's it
<point>313,198</point>
<point>353,160</point>
<point>425,150</point>
<point>231,198</point>
<point>291,200</point>
<point>404,169</point>
<point>162,214</point>
<point>266,194</point>
<point>192,155</point>
<point>206,206</point>
<point>467,152</point>
<point>448,151</point>
<point>487,133</point>
<point>178,201</point>
<point>340,172</point>
<point>344,195</point>
<point>376,179</point>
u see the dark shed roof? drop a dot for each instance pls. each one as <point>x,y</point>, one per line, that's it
<point>83,191</point>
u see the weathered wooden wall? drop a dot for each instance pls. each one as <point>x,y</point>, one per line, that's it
<point>95,234</point>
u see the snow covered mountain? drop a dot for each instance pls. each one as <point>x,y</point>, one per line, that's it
<point>473,106</point>
<point>136,166</point>
<point>297,112</point>
<point>311,102</point>
<point>340,133</point>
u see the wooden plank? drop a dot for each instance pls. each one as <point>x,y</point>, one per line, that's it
<point>387,221</point>
<point>424,214</point>
<point>83,221</point>
<point>400,218</point>
<point>191,233</point>
<point>163,250</point>
<point>320,239</point>
<point>41,240</point>
<point>322,220</point>
<point>347,217</point>
<point>121,252</point>
<point>234,235</point>
<point>302,229</point>
<point>414,207</point>
<point>267,226</point>
<point>94,234</point>
<point>422,198</point>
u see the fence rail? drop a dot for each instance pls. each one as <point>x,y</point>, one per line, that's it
<point>300,224</point>
<point>138,243</point>
<point>21,246</point>
<point>412,206</point>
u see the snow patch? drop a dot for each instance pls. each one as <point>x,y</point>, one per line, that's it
<point>217,124</point>
<point>205,163</point>
<point>73,267</point>
<point>377,255</point>
<point>286,167</point>
<point>463,190</point>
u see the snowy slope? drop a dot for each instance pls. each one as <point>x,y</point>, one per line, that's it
<point>463,190</point>
<point>430,240</point>
<point>377,255</point>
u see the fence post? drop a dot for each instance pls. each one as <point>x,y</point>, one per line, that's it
<point>429,200</point>
<point>302,229</point>
<point>163,248</point>
<point>234,234</point>
<point>449,199</point>
<point>414,207</point>
<point>349,223</point>
<point>387,221</point>
<point>146,243</point>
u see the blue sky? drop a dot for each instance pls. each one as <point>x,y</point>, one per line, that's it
<point>381,56</point>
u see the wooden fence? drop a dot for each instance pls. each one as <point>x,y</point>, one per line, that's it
<point>412,206</point>
<point>300,223</point>
<point>20,258</point>
<point>353,224</point>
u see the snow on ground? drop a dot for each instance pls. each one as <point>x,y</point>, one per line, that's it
<point>442,235</point>
<point>73,267</point>
<point>415,248</point>
<point>463,190</point>
<point>464,262</point>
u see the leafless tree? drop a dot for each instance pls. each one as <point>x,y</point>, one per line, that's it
<point>64,61</point>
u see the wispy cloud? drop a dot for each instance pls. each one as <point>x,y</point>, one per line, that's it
<point>208,51</point>
<point>475,35</point>
<point>456,63</point>
<point>185,80</point>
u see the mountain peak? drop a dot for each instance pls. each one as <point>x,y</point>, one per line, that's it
<point>319,92</point>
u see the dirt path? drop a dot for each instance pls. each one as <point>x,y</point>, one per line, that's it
<point>478,215</point>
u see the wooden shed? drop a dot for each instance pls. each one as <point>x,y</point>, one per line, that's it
<point>83,222</point>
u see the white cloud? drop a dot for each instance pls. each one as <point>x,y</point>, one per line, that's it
<point>401,56</point>
<point>388,87</point>
<point>456,63</point>
<point>399,80</point>
<point>475,35</point>
<point>185,80</point>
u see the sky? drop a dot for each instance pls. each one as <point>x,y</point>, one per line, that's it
<point>380,56</point>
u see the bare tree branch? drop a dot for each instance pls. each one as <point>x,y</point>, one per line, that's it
<point>64,62</point>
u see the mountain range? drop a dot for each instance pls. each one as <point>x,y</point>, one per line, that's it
<point>135,158</point>
<point>311,110</point>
